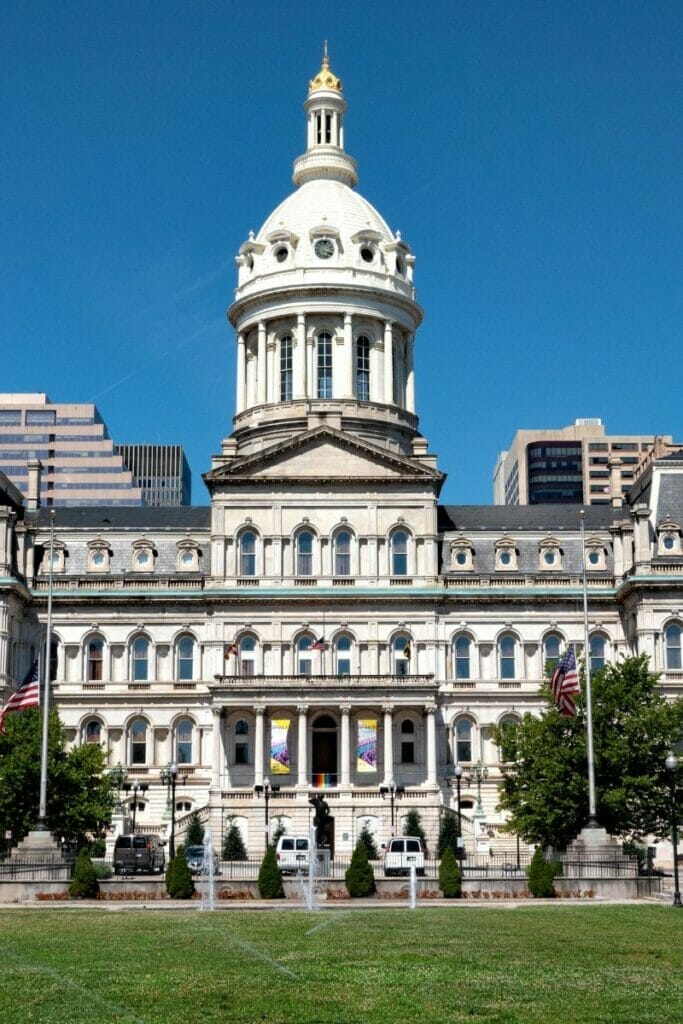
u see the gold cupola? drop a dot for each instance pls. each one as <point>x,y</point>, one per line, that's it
<point>325,79</point>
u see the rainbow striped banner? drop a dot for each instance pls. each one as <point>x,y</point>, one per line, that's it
<point>324,780</point>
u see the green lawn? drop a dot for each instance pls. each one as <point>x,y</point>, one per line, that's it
<point>525,965</point>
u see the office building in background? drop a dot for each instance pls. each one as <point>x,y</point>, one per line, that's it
<point>161,471</point>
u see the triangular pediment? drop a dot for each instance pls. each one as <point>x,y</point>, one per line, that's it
<point>324,453</point>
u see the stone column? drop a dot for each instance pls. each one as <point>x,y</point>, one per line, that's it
<point>261,365</point>
<point>410,373</point>
<point>388,363</point>
<point>298,358</point>
<point>311,375</point>
<point>345,745</point>
<point>258,745</point>
<point>347,382</point>
<point>388,712</point>
<point>302,748</point>
<point>430,715</point>
<point>241,374</point>
<point>271,376</point>
<point>217,759</point>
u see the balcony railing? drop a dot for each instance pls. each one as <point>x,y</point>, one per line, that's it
<point>327,681</point>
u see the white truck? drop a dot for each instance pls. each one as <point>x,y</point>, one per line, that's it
<point>403,853</point>
<point>292,854</point>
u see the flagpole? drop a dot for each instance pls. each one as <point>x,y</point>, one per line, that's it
<point>42,811</point>
<point>592,815</point>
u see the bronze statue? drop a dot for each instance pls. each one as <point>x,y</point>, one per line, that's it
<point>320,818</point>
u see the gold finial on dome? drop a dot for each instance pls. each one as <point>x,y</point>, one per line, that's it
<point>325,79</point>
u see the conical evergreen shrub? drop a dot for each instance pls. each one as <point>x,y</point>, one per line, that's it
<point>179,881</point>
<point>541,873</point>
<point>360,878</point>
<point>84,884</point>
<point>194,835</point>
<point>450,875</point>
<point>448,835</point>
<point>233,844</point>
<point>412,826</point>
<point>270,877</point>
<point>368,840</point>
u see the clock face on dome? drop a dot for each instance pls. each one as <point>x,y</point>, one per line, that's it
<point>324,249</point>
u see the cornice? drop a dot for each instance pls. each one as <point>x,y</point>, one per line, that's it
<point>299,293</point>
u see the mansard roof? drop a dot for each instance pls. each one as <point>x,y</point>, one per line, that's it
<point>513,518</point>
<point>126,517</point>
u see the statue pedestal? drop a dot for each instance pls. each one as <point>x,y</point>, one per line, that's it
<point>595,853</point>
<point>39,855</point>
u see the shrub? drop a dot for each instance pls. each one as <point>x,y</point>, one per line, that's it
<point>233,844</point>
<point>102,871</point>
<point>448,835</point>
<point>84,884</point>
<point>97,848</point>
<point>412,826</point>
<point>450,875</point>
<point>360,878</point>
<point>368,840</point>
<point>633,849</point>
<point>541,873</point>
<point>194,834</point>
<point>270,877</point>
<point>179,881</point>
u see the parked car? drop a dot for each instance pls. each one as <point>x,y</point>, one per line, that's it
<point>292,854</point>
<point>194,855</point>
<point>138,854</point>
<point>403,853</point>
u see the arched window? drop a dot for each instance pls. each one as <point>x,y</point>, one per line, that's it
<point>141,659</point>
<point>286,368</point>
<point>247,553</point>
<point>399,553</point>
<point>94,659</point>
<point>363,368</point>
<point>54,658</point>
<point>551,653</point>
<point>342,553</point>
<point>597,649</point>
<point>304,663</point>
<point>186,658</point>
<point>138,742</point>
<point>672,636</point>
<point>304,553</point>
<point>241,742</point>
<point>93,731</point>
<point>506,656</point>
<point>402,652</point>
<point>324,374</point>
<point>463,741</point>
<point>407,742</point>
<point>461,656</point>
<point>342,654</point>
<point>247,656</point>
<point>183,741</point>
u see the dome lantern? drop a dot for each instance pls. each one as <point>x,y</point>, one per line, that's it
<point>325,156</point>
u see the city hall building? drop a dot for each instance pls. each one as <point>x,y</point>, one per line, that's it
<point>324,624</point>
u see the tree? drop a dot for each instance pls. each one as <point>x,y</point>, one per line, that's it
<point>233,844</point>
<point>412,826</point>
<point>450,875</point>
<point>367,838</point>
<point>80,795</point>
<point>194,834</point>
<point>545,788</point>
<point>359,877</point>
<point>270,877</point>
<point>84,884</point>
<point>448,835</point>
<point>179,880</point>
<point>541,873</point>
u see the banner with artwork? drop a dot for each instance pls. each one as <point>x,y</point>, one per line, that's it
<point>366,753</point>
<point>279,747</point>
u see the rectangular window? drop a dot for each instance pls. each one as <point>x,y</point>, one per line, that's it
<point>40,416</point>
<point>407,752</point>
<point>286,369</point>
<point>12,416</point>
<point>324,365</point>
<point>241,753</point>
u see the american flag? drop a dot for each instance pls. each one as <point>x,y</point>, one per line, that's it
<point>318,645</point>
<point>26,695</point>
<point>565,684</point>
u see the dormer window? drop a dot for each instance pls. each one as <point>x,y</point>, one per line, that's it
<point>462,555</point>
<point>367,254</point>
<point>506,555</point>
<point>595,554</point>
<point>98,556</point>
<point>143,556</point>
<point>669,539</point>
<point>188,556</point>
<point>57,556</point>
<point>281,254</point>
<point>550,555</point>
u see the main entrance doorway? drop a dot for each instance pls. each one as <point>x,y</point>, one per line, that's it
<point>324,752</point>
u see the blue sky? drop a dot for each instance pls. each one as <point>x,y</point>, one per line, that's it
<point>530,153</point>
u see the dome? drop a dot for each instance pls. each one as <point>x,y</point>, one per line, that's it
<point>324,203</point>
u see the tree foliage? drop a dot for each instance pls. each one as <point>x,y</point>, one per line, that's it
<point>194,834</point>
<point>84,884</point>
<point>545,788</point>
<point>233,844</point>
<point>541,873</point>
<point>179,881</point>
<point>450,875</point>
<point>448,835</point>
<point>270,877</point>
<point>367,838</point>
<point>80,795</point>
<point>359,877</point>
<point>412,826</point>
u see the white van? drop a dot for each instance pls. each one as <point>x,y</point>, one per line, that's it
<point>292,853</point>
<point>403,853</point>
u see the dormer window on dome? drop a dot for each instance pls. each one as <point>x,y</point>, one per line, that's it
<point>669,538</point>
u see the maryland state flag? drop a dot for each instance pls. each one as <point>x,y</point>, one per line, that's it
<point>406,650</point>
<point>229,650</point>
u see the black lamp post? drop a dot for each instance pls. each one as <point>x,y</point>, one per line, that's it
<point>267,788</point>
<point>169,778</point>
<point>135,788</point>
<point>457,775</point>
<point>479,772</point>
<point>672,764</point>
<point>394,792</point>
